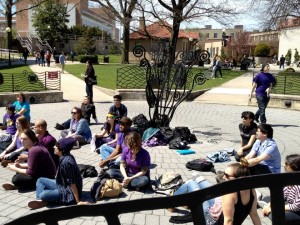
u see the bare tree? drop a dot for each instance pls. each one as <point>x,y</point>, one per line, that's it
<point>122,11</point>
<point>178,11</point>
<point>240,44</point>
<point>275,13</point>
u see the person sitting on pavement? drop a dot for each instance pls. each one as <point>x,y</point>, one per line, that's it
<point>12,152</point>
<point>291,194</point>
<point>79,128</point>
<point>118,108</point>
<point>264,156</point>
<point>45,139</point>
<point>108,153</point>
<point>66,188</point>
<point>39,164</point>
<point>231,208</point>
<point>9,124</point>
<point>134,171</point>
<point>87,109</point>
<point>22,107</point>
<point>110,128</point>
<point>248,130</point>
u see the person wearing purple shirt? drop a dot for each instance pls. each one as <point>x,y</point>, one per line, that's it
<point>108,153</point>
<point>9,124</point>
<point>262,83</point>
<point>135,164</point>
<point>39,164</point>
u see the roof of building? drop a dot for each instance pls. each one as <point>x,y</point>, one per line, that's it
<point>160,30</point>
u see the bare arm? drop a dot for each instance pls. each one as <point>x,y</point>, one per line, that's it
<point>250,155</point>
<point>75,193</point>
<point>248,145</point>
<point>253,213</point>
<point>252,90</point>
<point>115,140</point>
<point>257,160</point>
<point>16,168</point>
<point>111,156</point>
<point>228,202</point>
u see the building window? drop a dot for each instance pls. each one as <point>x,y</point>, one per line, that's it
<point>214,51</point>
<point>207,35</point>
<point>215,35</point>
<point>217,51</point>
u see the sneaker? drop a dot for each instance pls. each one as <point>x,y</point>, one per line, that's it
<point>262,204</point>
<point>96,121</point>
<point>59,126</point>
<point>9,186</point>
<point>36,204</point>
<point>76,145</point>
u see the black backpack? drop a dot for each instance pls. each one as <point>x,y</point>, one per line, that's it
<point>200,165</point>
<point>87,171</point>
<point>141,123</point>
<point>185,134</point>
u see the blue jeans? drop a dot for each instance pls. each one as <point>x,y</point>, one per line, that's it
<point>262,102</point>
<point>106,150</point>
<point>46,190</point>
<point>137,182</point>
<point>192,185</point>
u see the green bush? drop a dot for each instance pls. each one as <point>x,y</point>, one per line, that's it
<point>296,56</point>
<point>288,55</point>
<point>262,50</point>
<point>84,58</point>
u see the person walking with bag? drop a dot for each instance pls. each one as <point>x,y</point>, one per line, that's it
<point>89,77</point>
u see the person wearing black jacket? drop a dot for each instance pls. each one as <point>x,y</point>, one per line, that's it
<point>88,77</point>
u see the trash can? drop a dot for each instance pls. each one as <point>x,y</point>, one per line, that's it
<point>56,58</point>
<point>200,63</point>
<point>106,59</point>
<point>244,66</point>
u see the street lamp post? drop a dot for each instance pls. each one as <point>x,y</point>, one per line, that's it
<point>9,37</point>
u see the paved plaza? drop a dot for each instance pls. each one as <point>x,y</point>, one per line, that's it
<point>215,125</point>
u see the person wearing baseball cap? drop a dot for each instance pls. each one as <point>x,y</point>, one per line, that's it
<point>66,188</point>
<point>262,84</point>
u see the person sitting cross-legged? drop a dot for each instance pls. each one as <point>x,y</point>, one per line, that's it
<point>134,171</point>
<point>66,188</point>
<point>264,156</point>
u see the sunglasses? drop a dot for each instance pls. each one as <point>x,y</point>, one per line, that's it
<point>227,175</point>
<point>244,117</point>
<point>73,113</point>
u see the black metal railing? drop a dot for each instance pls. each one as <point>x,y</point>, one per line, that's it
<point>287,83</point>
<point>29,81</point>
<point>194,200</point>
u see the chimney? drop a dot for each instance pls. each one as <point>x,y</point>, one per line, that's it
<point>142,23</point>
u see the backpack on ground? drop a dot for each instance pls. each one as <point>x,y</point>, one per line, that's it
<point>168,181</point>
<point>141,122</point>
<point>200,165</point>
<point>87,171</point>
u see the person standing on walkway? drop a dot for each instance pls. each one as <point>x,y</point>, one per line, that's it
<point>282,61</point>
<point>88,77</point>
<point>42,54</point>
<point>62,61</point>
<point>218,67</point>
<point>214,67</point>
<point>262,83</point>
<point>48,57</point>
<point>25,55</point>
<point>72,54</point>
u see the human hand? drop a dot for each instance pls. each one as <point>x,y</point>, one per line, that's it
<point>126,181</point>
<point>250,97</point>
<point>240,152</point>
<point>11,166</point>
<point>21,158</point>
<point>6,155</point>
<point>103,163</point>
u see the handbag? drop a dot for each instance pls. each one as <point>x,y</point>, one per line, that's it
<point>93,80</point>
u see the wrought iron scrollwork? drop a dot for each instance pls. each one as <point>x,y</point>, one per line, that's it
<point>168,83</point>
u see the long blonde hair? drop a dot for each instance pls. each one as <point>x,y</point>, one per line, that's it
<point>23,124</point>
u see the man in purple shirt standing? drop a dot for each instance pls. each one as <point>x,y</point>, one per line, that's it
<point>262,83</point>
<point>108,153</point>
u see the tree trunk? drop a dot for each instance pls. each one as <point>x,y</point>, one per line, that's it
<point>125,46</point>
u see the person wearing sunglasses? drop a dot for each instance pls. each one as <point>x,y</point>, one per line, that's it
<point>248,130</point>
<point>264,156</point>
<point>291,194</point>
<point>79,128</point>
<point>232,208</point>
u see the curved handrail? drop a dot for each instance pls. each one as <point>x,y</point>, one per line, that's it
<point>194,199</point>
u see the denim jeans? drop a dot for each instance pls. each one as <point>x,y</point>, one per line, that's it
<point>137,182</point>
<point>192,185</point>
<point>262,102</point>
<point>46,190</point>
<point>105,151</point>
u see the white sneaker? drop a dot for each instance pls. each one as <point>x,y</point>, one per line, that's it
<point>76,145</point>
<point>96,121</point>
<point>262,204</point>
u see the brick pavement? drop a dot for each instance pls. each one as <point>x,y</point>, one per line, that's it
<point>215,125</point>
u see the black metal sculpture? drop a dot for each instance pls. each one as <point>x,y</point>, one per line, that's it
<point>167,83</point>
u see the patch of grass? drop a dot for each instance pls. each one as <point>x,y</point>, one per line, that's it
<point>107,75</point>
<point>116,58</point>
<point>288,83</point>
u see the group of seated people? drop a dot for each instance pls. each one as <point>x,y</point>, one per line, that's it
<point>43,163</point>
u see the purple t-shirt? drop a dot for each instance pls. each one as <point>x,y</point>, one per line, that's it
<point>40,162</point>
<point>115,130</point>
<point>134,166</point>
<point>48,141</point>
<point>10,123</point>
<point>121,141</point>
<point>263,81</point>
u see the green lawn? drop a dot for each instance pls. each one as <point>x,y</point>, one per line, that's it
<point>288,83</point>
<point>112,58</point>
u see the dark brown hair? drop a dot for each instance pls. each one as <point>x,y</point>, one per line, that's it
<point>31,135</point>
